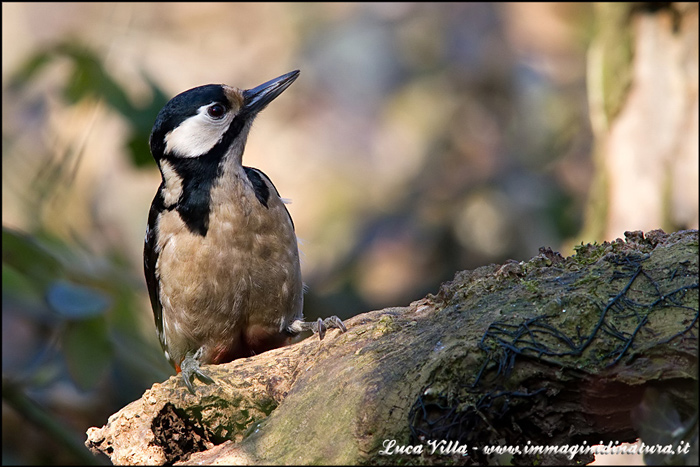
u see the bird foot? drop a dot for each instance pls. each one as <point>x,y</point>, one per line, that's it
<point>318,327</point>
<point>190,369</point>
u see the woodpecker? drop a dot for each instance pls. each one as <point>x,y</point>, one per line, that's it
<point>220,257</point>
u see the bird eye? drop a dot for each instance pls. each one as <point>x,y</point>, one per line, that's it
<point>216,111</point>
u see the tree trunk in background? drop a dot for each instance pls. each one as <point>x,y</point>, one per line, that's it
<point>643,95</point>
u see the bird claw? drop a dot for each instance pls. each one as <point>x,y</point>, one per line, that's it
<point>190,369</point>
<point>319,326</point>
<point>320,329</point>
<point>335,322</point>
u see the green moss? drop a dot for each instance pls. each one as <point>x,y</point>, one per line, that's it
<point>530,285</point>
<point>589,253</point>
<point>266,406</point>
<point>587,280</point>
<point>386,325</point>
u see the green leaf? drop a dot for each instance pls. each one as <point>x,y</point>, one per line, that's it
<point>90,79</point>
<point>140,152</point>
<point>17,285</point>
<point>26,256</point>
<point>87,350</point>
<point>29,69</point>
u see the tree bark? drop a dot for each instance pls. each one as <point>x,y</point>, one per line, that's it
<point>556,351</point>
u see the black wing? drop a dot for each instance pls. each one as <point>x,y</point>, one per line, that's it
<point>150,258</point>
<point>262,192</point>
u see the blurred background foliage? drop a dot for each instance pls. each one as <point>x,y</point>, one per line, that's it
<point>420,140</point>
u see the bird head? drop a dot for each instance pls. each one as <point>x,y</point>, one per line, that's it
<point>211,121</point>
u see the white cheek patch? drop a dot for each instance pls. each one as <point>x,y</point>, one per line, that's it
<point>196,135</point>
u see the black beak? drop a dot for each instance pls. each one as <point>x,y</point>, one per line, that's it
<point>257,98</point>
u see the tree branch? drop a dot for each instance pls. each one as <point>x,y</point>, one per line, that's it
<point>554,351</point>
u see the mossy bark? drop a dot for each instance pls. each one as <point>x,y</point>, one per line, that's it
<point>556,351</point>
